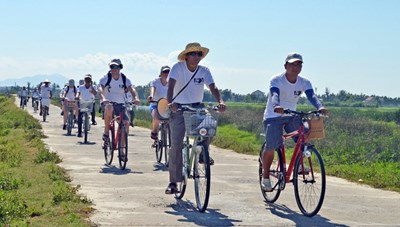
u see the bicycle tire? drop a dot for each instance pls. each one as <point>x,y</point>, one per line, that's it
<point>85,127</point>
<point>276,176</point>
<point>35,107</point>
<point>167,143</point>
<point>109,147</point>
<point>310,184</point>
<point>123,147</point>
<point>69,123</point>
<point>163,144</point>
<point>202,176</point>
<point>44,113</point>
<point>185,170</point>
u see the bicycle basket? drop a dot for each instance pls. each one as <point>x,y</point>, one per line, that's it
<point>203,124</point>
<point>316,128</point>
<point>71,104</point>
<point>86,106</point>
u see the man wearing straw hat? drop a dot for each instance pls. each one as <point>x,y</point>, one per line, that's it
<point>186,86</point>
<point>284,92</point>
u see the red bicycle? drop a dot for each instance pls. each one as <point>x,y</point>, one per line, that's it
<point>306,164</point>
<point>118,140</point>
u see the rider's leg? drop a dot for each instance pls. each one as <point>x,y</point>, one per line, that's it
<point>108,110</point>
<point>65,109</point>
<point>156,125</point>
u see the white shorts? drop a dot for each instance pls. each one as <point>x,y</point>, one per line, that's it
<point>45,102</point>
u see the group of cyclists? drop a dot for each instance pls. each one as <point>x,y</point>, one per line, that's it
<point>184,84</point>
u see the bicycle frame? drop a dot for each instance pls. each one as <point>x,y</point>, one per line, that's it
<point>119,120</point>
<point>300,143</point>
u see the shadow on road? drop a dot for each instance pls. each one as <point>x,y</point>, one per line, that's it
<point>160,167</point>
<point>211,217</point>
<point>298,218</point>
<point>87,143</point>
<point>111,169</point>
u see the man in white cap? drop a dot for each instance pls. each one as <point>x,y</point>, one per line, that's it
<point>86,93</point>
<point>112,88</point>
<point>158,90</point>
<point>186,86</point>
<point>284,92</point>
<point>46,93</point>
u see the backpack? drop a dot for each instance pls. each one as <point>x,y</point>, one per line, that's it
<point>109,80</point>
<point>66,92</point>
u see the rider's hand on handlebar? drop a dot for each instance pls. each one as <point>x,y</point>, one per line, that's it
<point>173,107</point>
<point>136,101</point>
<point>149,99</point>
<point>221,107</point>
<point>324,111</point>
<point>278,109</point>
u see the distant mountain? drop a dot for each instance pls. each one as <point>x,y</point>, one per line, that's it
<point>35,80</point>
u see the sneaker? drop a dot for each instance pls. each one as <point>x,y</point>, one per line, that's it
<point>79,135</point>
<point>266,185</point>
<point>153,136</point>
<point>106,138</point>
<point>171,189</point>
<point>62,112</point>
<point>306,170</point>
<point>131,124</point>
<point>64,127</point>
<point>94,123</point>
<point>201,161</point>
<point>40,113</point>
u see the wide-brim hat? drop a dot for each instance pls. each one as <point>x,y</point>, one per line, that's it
<point>193,47</point>
<point>46,81</point>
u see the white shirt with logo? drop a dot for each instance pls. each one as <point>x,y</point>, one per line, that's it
<point>45,91</point>
<point>86,93</point>
<point>160,90</point>
<point>289,93</point>
<point>115,91</point>
<point>194,92</point>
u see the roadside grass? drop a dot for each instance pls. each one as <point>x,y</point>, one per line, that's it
<point>34,190</point>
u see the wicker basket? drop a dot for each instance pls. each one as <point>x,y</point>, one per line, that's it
<point>86,106</point>
<point>200,124</point>
<point>316,130</point>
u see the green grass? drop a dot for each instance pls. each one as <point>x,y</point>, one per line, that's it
<point>34,190</point>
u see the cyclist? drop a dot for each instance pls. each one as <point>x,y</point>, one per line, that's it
<point>186,72</point>
<point>35,96</point>
<point>284,92</point>
<point>23,94</point>
<point>158,89</point>
<point>86,92</point>
<point>131,112</point>
<point>69,94</point>
<point>112,88</point>
<point>46,93</point>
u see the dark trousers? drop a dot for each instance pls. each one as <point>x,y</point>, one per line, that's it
<point>94,112</point>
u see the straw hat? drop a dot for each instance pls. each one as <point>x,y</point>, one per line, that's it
<point>193,47</point>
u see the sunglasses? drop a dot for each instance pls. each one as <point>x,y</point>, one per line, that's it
<point>166,71</point>
<point>199,54</point>
<point>115,67</point>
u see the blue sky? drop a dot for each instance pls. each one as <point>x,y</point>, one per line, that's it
<point>350,45</point>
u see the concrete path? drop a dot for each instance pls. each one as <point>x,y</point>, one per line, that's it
<point>135,196</point>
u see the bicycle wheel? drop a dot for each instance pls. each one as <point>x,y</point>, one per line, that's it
<point>167,143</point>
<point>44,113</point>
<point>35,106</point>
<point>309,181</point>
<point>185,171</point>
<point>85,126</point>
<point>123,147</point>
<point>108,147</point>
<point>201,172</point>
<point>276,176</point>
<point>163,144</point>
<point>70,122</point>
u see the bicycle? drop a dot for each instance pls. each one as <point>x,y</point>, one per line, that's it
<point>45,103</point>
<point>130,107</point>
<point>163,142</point>
<point>306,164</point>
<point>71,106</point>
<point>23,102</point>
<point>35,104</point>
<point>118,140</point>
<point>200,123</point>
<point>85,108</point>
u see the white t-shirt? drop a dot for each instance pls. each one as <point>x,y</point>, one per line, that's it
<point>70,93</point>
<point>288,93</point>
<point>35,94</point>
<point>23,93</point>
<point>160,90</point>
<point>86,93</point>
<point>115,92</point>
<point>45,91</point>
<point>194,92</point>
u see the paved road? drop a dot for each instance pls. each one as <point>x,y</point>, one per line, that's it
<point>135,197</point>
